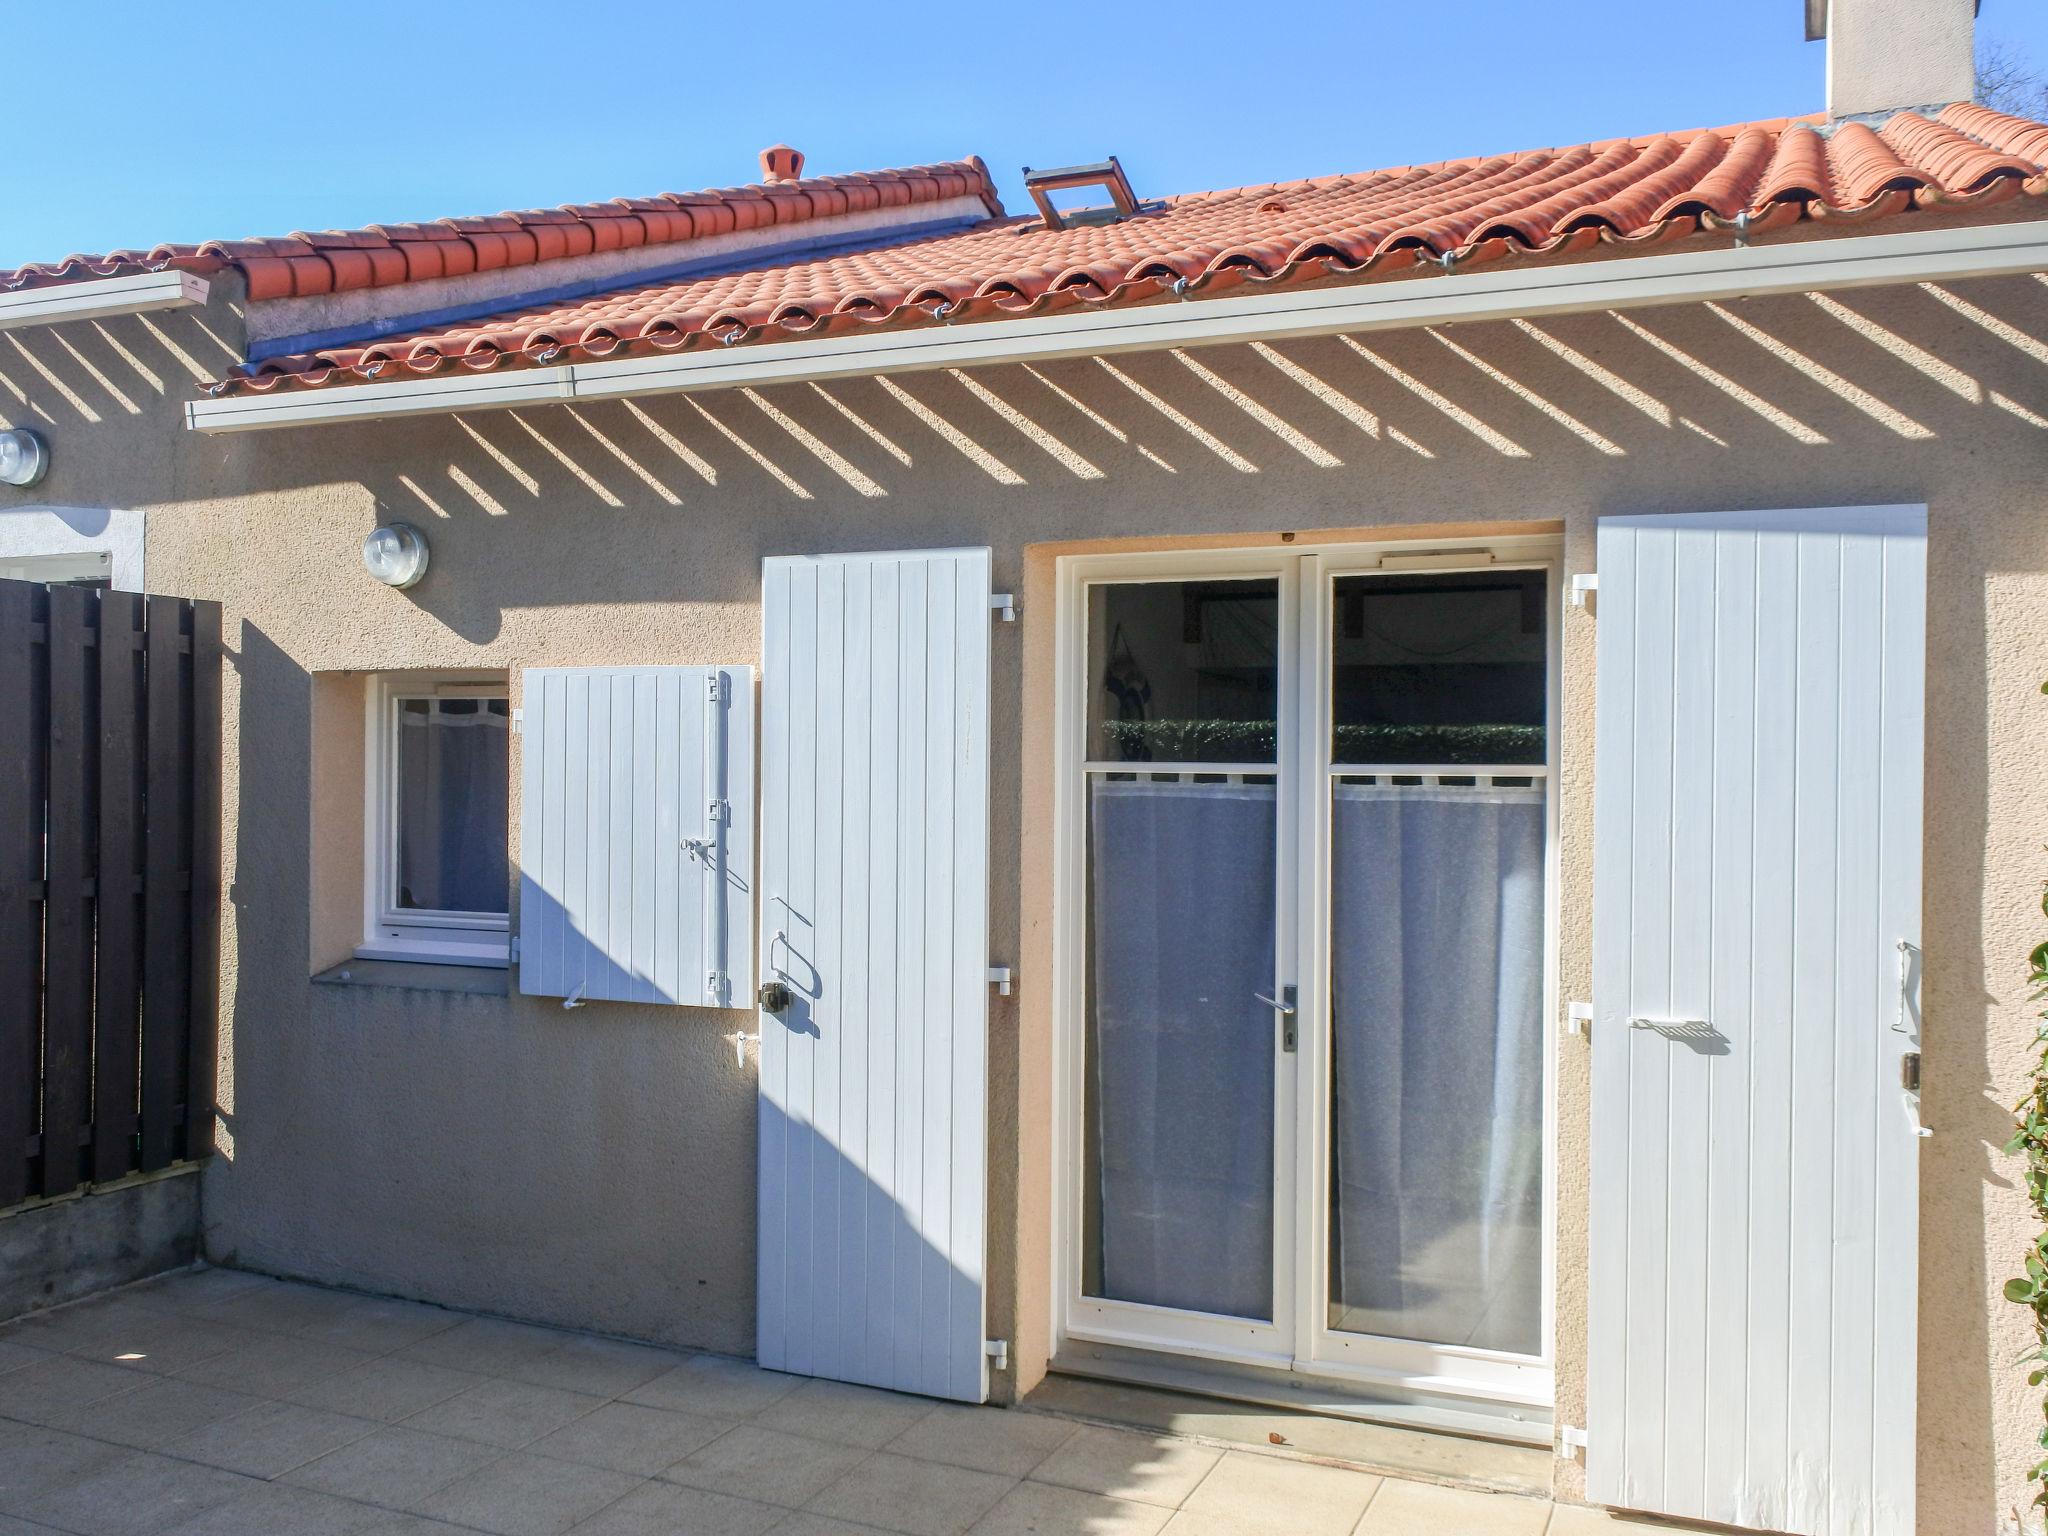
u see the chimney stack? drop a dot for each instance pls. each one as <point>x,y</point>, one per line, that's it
<point>1884,55</point>
<point>781,163</point>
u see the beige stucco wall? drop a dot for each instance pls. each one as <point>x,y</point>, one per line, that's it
<point>596,1167</point>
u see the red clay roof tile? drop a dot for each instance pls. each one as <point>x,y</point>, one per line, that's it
<point>1549,204</point>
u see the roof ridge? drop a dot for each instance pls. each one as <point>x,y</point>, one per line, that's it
<point>307,262</point>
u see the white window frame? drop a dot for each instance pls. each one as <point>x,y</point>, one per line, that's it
<point>1296,1347</point>
<point>391,932</point>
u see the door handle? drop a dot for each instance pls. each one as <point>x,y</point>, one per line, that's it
<point>1284,1005</point>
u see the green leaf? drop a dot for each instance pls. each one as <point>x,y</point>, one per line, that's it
<point>2021,1291</point>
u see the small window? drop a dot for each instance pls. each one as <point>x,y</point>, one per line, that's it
<point>438,877</point>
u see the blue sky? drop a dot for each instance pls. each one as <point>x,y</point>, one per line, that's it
<point>129,124</point>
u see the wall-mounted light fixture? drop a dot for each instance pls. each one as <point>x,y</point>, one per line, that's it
<point>396,554</point>
<point>24,457</point>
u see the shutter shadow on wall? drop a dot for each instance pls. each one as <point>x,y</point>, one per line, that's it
<point>109,884</point>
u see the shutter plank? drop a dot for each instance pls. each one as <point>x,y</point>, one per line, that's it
<point>1756,859</point>
<point>873,1088</point>
<point>24,698</point>
<point>67,908</point>
<point>201,1084</point>
<point>117,982</point>
<point>166,903</point>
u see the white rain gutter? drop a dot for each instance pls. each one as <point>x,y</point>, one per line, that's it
<point>1938,255</point>
<point>134,294</point>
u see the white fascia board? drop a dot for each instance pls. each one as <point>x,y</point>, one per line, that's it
<point>1939,255</point>
<point>134,294</point>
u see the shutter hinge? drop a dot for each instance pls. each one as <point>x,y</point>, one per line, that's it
<point>519,722</point>
<point>1580,593</point>
<point>999,978</point>
<point>1003,605</point>
<point>1570,1441</point>
<point>515,946</point>
<point>1578,1019</point>
<point>714,687</point>
<point>998,1352</point>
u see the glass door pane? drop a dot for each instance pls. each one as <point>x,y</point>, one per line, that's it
<point>1178,1197</point>
<point>1437,836</point>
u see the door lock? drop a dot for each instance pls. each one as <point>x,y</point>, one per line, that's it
<point>1285,1006</point>
<point>773,997</point>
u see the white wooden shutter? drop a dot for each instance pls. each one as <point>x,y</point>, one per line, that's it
<point>874,892</point>
<point>1757,908</point>
<point>636,834</point>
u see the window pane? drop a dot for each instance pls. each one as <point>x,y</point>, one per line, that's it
<point>1436,1083</point>
<point>453,776</point>
<point>1178,1139</point>
<point>1439,668</point>
<point>1183,671</point>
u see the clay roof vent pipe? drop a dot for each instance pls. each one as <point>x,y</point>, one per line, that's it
<point>781,163</point>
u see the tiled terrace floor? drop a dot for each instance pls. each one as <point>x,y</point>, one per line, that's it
<point>215,1403</point>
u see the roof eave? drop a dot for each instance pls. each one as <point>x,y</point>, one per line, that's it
<point>133,293</point>
<point>1858,261</point>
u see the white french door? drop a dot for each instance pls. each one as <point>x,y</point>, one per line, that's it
<point>1305,942</point>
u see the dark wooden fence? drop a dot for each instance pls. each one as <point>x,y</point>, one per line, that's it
<point>109,884</point>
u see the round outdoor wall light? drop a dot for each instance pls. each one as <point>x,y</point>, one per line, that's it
<point>24,457</point>
<point>396,554</point>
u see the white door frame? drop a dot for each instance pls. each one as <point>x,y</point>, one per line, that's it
<point>1296,1342</point>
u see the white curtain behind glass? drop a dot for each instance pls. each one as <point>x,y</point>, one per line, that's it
<point>453,780</point>
<point>1437,1008</point>
<point>1181,915</point>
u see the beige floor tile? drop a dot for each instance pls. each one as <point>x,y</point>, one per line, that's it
<point>764,1464</point>
<point>192,1290</point>
<point>157,1413</point>
<point>509,1414</point>
<point>1151,1469</point>
<point>601,1367</point>
<point>1247,1494</point>
<point>382,1324</point>
<point>1039,1509</point>
<point>409,1525</point>
<point>140,1495</point>
<point>627,1437</point>
<point>274,1365</point>
<point>283,1307</point>
<point>670,1509</point>
<point>804,1523</point>
<point>387,1389</point>
<point>918,1498</point>
<point>275,1509</point>
<point>271,1439</point>
<point>488,1346</point>
<point>393,1467</point>
<point>147,1339</point>
<point>848,1415</point>
<point>1581,1520</point>
<point>34,1462</point>
<point>715,1386</point>
<point>1424,1509</point>
<point>50,1389</point>
<point>527,1495</point>
<point>986,1439</point>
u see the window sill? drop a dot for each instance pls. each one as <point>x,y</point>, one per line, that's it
<point>418,976</point>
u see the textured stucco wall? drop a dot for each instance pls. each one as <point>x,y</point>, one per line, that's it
<point>596,1167</point>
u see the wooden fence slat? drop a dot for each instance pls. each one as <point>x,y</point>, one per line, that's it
<point>117,1022</point>
<point>23,745</point>
<point>67,904</point>
<point>166,930</point>
<point>204,862</point>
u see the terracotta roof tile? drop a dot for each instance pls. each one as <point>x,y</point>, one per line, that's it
<point>342,260</point>
<point>1550,204</point>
